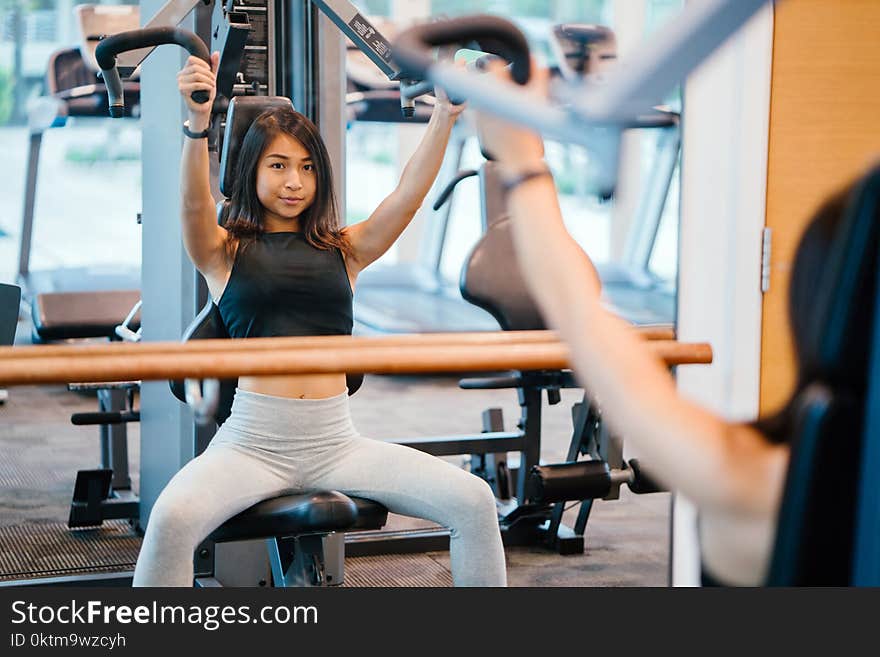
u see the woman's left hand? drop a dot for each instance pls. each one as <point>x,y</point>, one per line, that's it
<point>446,106</point>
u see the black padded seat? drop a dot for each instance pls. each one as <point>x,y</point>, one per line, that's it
<point>305,513</point>
<point>370,514</point>
<point>95,314</point>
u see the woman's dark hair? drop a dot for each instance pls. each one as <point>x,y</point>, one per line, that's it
<point>812,264</point>
<point>242,214</point>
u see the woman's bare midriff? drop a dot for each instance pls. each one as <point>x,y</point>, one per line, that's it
<point>309,386</point>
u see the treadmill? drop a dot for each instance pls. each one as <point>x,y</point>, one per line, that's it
<point>10,298</point>
<point>80,302</point>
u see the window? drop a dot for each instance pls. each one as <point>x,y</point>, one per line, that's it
<point>377,152</point>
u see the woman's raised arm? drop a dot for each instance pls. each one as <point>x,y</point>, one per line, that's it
<point>203,239</point>
<point>374,236</point>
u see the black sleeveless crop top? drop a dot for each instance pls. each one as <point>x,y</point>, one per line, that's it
<point>280,285</point>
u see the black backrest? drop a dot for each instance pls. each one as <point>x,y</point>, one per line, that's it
<point>816,521</point>
<point>491,278</point>
<point>816,531</point>
<point>10,298</point>
<point>208,324</point>
<point>847,284</point>
<point>239,116</point>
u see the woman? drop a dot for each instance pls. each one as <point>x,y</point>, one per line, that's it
<point>733,472</point>
<point>280,265</point>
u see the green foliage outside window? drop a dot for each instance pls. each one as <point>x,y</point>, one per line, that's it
<point>6,95</point>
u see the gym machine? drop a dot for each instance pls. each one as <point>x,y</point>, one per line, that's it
<point>83,302</point>
<point>10,298</point>
<point>171,296</point>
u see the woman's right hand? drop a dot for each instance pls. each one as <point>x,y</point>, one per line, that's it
<point>198,75</point>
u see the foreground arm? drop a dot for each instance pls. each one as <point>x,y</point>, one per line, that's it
<point>719,465</point>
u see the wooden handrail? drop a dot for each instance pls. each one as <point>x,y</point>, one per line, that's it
<point>487,338</point>
<point>366,355</point>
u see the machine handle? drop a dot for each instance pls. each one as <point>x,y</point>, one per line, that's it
<point>109,48</point>
<point>106,417</point>
<point>447,191</point>
<point>412,48</point>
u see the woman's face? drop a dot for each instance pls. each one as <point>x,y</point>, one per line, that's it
<point>286,182</point>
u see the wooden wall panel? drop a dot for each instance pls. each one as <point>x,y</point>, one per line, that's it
<point>824,130</point>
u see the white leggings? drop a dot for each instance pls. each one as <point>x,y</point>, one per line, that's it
<point>274,445</point>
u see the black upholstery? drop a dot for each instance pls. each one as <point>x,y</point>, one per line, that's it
<point>208,325</point>
<point>67,69</point>
<point>10,298</point>
<point>816,519</point>
<point>239,116</point>
<point>815,539</point>
<point>847,283</point>
<point>307,513</point>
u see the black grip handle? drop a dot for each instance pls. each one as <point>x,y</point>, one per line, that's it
<point>642,483</point>
<point>562,482</point>
<point>109,48</point>
<point>491,383</point>
<point>106,417</point>
<point>412,48</point>
<point>447,191</point>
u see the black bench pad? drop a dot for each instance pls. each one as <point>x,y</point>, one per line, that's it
<point>288,515</point>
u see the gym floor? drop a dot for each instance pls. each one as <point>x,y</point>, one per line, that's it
<point>627,540</point>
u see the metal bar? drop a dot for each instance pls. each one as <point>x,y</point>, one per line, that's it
<point>482,443</point>
<point>530,454</point>
<point>638,85</point>
<point>30,199</point>
<point>364,35</point>
<point>406,541</point>
<point>114,438</point>
<point>643,235</point>
<point>171,13</point>
<point>655,67</point>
